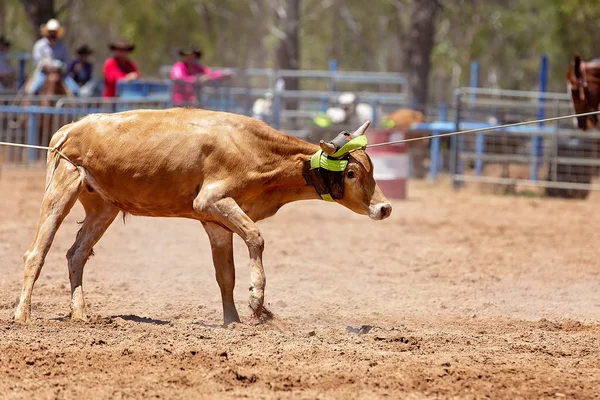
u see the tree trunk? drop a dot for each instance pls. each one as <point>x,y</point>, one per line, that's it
<point>288,51</point>
<point>418,50</point>
<point>39,12</point>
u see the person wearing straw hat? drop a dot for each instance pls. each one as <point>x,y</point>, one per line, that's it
<point>51,44</point>
<point>119,67</point>
<point>7,72</point>
<point>50,50</point>
<point>81,68</point>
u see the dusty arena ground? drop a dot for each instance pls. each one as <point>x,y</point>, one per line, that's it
<point>464,295</point>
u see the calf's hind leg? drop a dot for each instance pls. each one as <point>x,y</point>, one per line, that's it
<point>58,200</point>
<point>221,242</point>
<point>98,216</point>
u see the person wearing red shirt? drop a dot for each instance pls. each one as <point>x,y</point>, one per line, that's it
<point>119,67</point>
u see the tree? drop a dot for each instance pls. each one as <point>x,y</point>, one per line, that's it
<point>39,12</point>
<point>288,51</point>
<point>419,45</point>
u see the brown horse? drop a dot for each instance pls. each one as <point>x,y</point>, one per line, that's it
<point>584,81</point>
<point>52,89</point>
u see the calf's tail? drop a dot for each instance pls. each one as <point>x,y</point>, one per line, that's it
<point>55,155</point>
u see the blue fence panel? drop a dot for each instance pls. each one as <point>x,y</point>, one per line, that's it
<point>143,90</point>
<point>434,151</point>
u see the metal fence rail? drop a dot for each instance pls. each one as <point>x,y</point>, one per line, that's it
<point>557,157</point>
<point>32,125</point>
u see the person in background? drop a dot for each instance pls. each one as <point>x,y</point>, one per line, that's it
<point>81,69</point>
<point>119,67</point>
<point>7,73</point>
<point>189,70</point>
<point>50,47</point>
<point>51,44</point>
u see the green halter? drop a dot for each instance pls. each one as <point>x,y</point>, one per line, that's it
<point>336,162</point>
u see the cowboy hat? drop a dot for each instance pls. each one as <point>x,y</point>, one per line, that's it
<point>4,41</point>
<point>122,44</point>
<point>84,50</point>
<point>188,51</point>
<point>52,25</point>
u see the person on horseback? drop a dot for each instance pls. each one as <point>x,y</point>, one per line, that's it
<point>50,46</point>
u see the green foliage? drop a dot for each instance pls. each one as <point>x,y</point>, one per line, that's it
<point>506,37</point>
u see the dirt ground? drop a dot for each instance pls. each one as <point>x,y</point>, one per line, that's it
<point>457,295</point>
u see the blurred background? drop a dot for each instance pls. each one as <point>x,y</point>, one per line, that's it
<point>314,67</point>
<point>506,37</point>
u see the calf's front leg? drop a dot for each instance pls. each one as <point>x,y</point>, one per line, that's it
<point>228,213</point>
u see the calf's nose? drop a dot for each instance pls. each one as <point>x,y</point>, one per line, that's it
<point>380,211</point>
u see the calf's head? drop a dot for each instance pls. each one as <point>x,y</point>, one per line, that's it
<point>346,171</point>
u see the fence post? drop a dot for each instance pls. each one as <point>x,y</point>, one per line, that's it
<point>474,77</point>
<point>479,150</point>
<point>32,136</point>
<point>412,104</point>
<point>332,69</point>
<point>277,102</point>
<point>554,160</point>
<point>454,156</point>
<point>537,141</point>
<point>22,70</point>
<point>480,137</point>
<point>434,151</point>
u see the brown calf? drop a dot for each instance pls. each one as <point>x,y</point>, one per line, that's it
<point>227,171</point>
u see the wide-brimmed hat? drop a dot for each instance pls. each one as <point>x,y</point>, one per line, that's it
<point>122,44</point>
<point>52,25</point>
<point>84,50</point>
<point>189,50</point>
<point>4,41</point>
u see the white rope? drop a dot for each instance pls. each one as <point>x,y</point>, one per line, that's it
<point>490,128</point>
<point>28,146</point>
<point>33,146</point>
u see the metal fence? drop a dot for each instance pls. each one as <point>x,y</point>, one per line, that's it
<point>555,157</point>
<point>33,121</point>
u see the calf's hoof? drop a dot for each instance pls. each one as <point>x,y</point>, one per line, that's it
<point>230,319</point>
<point>261,315</point>
<point>22,317</point>
<point>78,316</point>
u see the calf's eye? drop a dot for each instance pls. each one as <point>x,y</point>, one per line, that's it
<point>350,174</point>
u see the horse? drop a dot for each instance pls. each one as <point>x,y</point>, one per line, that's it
<point>51,90</point>
<point>583,79</point>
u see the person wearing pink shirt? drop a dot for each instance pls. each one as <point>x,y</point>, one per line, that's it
<point>187,72</point>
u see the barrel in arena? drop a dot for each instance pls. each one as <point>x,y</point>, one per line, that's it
<point>390,162</point>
